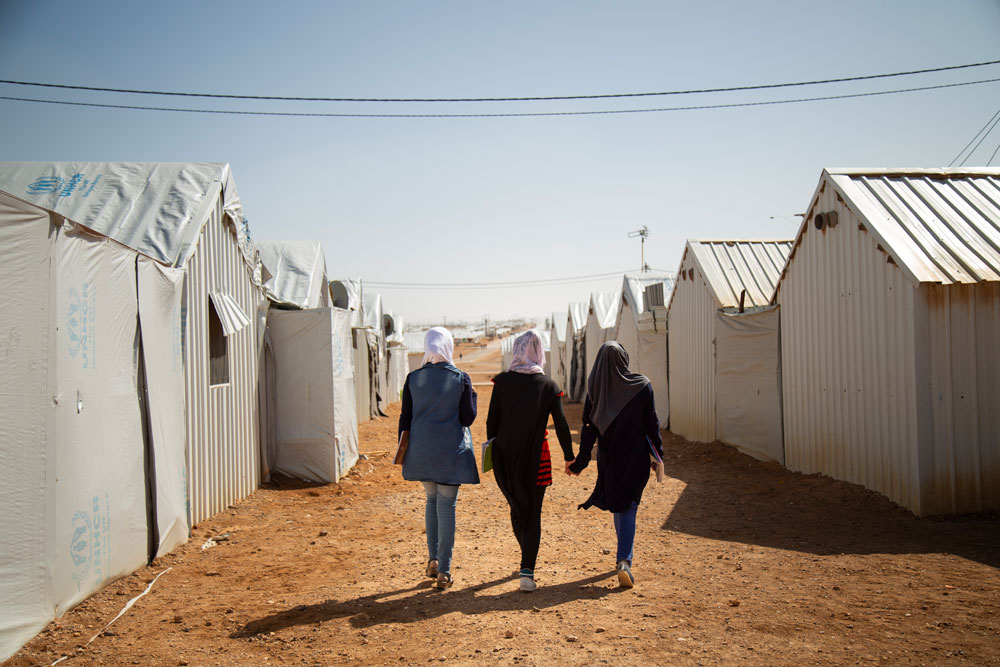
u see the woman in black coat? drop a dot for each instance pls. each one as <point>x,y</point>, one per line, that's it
<point>620,415</point>
<point>523,398</point>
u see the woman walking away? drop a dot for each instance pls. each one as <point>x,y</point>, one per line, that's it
<point>439,404</point>
<point>523,398</point>
<point>620,414</point>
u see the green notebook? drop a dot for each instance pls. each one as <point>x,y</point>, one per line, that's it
<point>487,455</point>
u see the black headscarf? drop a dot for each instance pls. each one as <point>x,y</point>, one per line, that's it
<point>611,384</point>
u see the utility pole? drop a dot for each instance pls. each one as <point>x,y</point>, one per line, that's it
<point>641,234</point>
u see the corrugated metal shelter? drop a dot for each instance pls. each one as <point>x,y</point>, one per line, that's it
<point>712,278</point>
<point>150,293</point>
<point>309,427</point>
<point>602,314</point>
<point>556,368</point>
<point>890,318</point>
<point>646,349</point>
<point>576,351</point>
<point>397,357</point>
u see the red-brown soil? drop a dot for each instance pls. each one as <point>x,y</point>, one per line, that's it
<point>737,562</point>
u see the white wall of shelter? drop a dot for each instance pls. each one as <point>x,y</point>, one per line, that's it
<point>890,317</point>
<point>712,277</point>
<point>576,353</point>
<point>645,345</point>
<point>602,315</point>
<point>556,368</point>
<point>126,343</point>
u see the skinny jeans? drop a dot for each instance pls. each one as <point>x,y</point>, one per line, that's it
<point>625,530</point>
<point>439,520</point>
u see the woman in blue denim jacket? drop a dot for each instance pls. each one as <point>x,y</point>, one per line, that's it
<point>439,404</point>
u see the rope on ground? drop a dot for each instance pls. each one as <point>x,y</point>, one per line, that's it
<point>127,606</point>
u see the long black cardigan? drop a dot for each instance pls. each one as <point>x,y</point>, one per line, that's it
<point>519,411</point>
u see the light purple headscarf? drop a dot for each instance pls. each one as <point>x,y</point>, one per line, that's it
<point>529,355</point>
<point>438,346</point>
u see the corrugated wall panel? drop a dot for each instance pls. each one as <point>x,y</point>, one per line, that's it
<point>848,360</point>
<point>691,357</point>
<point>963,473</point>
<point>223,434</point>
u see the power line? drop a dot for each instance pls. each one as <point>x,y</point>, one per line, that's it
<point>495,284</point>
<point>976,147</point>
<point>974,138</point>
<point>866,77</point>
<point>701,107</point>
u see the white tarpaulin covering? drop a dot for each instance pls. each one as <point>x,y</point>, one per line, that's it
<point>161,297</point>
<point>155,208</point>
<point>653,364</point>
<point>71,439</point>
<point>748,383</point>
<point>317,429</point>
<point>298,273</point>
<point>399,366</point>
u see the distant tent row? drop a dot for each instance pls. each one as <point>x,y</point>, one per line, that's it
<point>153,369</point>
<point>864,349</point>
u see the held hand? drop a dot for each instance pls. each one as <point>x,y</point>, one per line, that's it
<point>570,472</point>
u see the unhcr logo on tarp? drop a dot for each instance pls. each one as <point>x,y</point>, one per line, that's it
<point>81,311</point>
<point>89,547</point>
<point>57,184</point>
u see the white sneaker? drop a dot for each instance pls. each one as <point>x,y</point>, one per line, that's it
<point>528,584</point>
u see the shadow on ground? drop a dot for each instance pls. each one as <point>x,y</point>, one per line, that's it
<point>421,602</point>
<point>732,497</point>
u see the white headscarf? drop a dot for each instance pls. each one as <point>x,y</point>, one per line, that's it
<point>438,346</point>
<point>529,355</point>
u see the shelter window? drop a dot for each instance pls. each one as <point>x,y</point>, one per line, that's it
<point>218,350</point>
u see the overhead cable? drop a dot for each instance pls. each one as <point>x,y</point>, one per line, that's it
<point>866,77</point>
<point>974,138</point>
<point>541,282</point>
<point>700,107</point>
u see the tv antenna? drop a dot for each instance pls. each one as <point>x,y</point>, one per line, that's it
<point>641,234</point>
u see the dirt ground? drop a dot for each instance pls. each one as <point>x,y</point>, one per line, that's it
<point>737,562</point>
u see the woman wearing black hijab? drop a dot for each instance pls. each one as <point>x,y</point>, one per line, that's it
<point>620,415</point>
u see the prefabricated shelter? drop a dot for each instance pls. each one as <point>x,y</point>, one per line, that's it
<point>556,368</point>
<point>309,427</point>
<point>576,352</point>
<point>890,322</point>
<point>373,315</point>
<point>316,428</point>
<point>128,372</point>
<point>396,357</point>
<point>368,353</point>
<point>646,345</point>
<point>724,366</point>
<point>602,314</point>
<point>298,273</point>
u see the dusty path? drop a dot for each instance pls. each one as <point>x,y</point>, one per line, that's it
<point>738,562</point>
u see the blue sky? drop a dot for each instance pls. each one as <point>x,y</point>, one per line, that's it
<point>504,199</point>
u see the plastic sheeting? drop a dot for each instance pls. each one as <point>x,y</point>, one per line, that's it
<point>71,439</point>
<point>399,366</point>
<point>316,425</point>
<point>155,208</point>
<point>748,383</point>
<point>652,363</point>
<point>298,273</point>
<point>161,297</point>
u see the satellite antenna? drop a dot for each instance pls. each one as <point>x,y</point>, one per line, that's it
<point>641,234</point>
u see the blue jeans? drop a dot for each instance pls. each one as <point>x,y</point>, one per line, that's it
<point>439,518</point>
<point>625,529</point>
